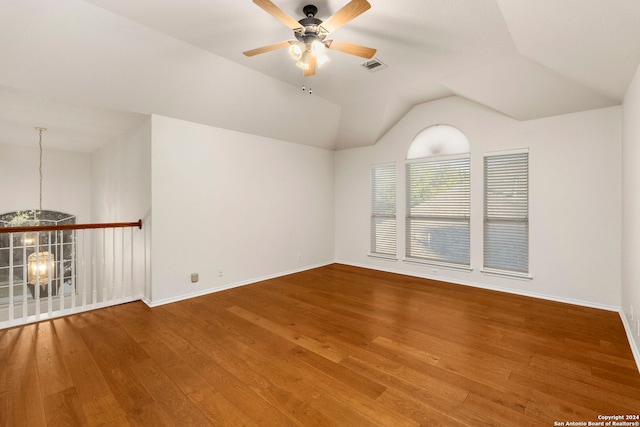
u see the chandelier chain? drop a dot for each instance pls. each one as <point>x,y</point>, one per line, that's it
<point>40,130</point>
<point>40,169</point>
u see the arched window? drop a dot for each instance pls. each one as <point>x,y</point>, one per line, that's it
<point>438,140</point>
<point>21,252</point>
<point>438,198</point>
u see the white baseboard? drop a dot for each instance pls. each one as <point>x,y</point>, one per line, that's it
<point>628,329</point>
<point>490,288</point>
<point>230,286</point>
<point>632,343</point>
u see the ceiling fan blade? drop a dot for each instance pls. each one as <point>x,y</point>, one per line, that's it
<point>277,13</point>
<point>350,11</point>
<point>312,66</point>
<point>264,49</point>
<point>350,48</point>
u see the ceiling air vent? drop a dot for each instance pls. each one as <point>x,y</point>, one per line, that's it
<point>374,65</point>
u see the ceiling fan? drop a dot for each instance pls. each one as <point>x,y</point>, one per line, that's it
<point>308,49</point>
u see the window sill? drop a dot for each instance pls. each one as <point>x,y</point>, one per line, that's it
<point>382,256</point>
<point>505,273</point>
<point>438,264</point>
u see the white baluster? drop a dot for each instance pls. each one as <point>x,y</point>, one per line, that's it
<point>25,288</point>
<point>61,271</point>
<point>37,282</point>
<point>113,264</point>
<point>10,278</point>
<point>49,278</point>
<point>131,275</point>
<point>94,269</point>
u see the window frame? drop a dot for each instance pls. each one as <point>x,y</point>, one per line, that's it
<point>505,218</point>
<point>382,214</point>
<point>451,217</point>
<point>62,244</point>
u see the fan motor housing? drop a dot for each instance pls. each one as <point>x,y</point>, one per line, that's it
<point>310,20</point>
<point>310,11</point>
<point>310,30</point>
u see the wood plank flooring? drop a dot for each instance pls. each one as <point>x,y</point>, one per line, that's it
<point>336,345</point>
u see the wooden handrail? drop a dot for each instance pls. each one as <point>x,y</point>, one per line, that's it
<point>37,228</point>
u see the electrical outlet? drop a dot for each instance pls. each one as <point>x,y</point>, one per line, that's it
<point>220,274</point>
<point>194,277</point>
<point>299,257</point>
<point>638,327</point>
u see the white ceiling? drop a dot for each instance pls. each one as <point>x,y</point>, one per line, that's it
<point>89,70</point>
<point>70,126</point>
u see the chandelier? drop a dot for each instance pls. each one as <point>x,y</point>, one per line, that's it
<point>40,264</point>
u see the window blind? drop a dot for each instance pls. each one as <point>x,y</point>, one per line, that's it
<point>438,211</point>
<point>383,210</point>
<point>506,212</point>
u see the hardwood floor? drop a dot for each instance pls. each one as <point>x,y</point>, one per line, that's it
<point>336,345</point>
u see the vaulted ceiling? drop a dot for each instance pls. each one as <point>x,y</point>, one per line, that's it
<point>88,70</point>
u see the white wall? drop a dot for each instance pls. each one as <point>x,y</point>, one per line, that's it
<point>121,192</point>
<point>66,180</point>
<point>240,203</point>
<point>575,198</point>
<point>121,177</point>
<point>631,210</point>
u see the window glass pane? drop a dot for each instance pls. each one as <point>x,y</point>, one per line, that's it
<point>383,235</point>
<point>439,240</point>
<point>383,210</point>
<point>17,247</point>
<point>438,210</point>
<point>506,212</point>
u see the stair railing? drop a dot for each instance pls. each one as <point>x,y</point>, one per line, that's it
<point>50,271</point>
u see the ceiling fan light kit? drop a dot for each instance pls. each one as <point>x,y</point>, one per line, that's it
<point>309,47</point>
